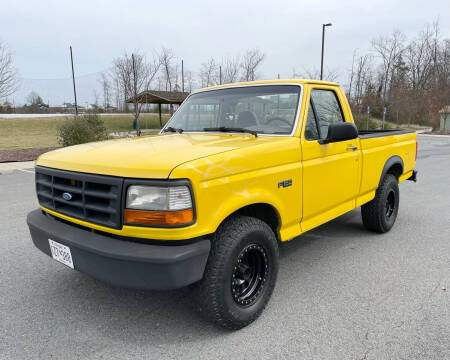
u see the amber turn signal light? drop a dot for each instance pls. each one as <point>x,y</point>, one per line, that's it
<point>168,218</point>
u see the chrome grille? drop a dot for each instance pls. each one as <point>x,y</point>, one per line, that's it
<point>89,197</point>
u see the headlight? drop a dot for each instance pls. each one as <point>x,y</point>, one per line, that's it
<point>153,205</point>
<point>158,198</point>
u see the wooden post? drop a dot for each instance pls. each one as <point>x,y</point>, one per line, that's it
<point>160,117</point>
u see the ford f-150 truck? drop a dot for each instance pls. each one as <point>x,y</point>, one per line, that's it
<point>238,170</point>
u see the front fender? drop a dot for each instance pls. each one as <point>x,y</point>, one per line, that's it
<point>239,194</point>
<point>219,198</point>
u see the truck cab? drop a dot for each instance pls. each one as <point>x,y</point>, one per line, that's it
<point>239,169</point>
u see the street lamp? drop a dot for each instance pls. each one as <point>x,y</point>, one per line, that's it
<point>323,44</point>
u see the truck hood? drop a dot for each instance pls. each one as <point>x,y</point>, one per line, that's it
<point>144,157</point>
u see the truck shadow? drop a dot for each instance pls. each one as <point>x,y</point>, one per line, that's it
<point>338,232</point>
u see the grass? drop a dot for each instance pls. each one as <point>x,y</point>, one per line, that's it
<point>42,132</point>
<point>28,133</point>
<point>377,124</point>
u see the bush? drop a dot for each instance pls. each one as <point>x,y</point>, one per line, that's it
<point>361,123</point>
<point>83,129</point>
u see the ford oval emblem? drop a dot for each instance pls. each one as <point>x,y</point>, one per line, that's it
<point>67,196</point>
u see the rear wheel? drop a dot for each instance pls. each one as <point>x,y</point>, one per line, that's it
<point>240,274</point>
<point>379,215</point>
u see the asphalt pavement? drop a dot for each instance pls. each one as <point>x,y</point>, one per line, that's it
<point>342,292</point>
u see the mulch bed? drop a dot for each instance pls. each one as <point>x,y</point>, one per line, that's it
<point>22,155</point>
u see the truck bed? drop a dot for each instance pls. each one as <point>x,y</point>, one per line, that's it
<point>377,147</point>
<point>365,134</point>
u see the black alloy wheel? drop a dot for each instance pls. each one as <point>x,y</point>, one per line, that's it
<point>249,274</point>
<point>390,203</point>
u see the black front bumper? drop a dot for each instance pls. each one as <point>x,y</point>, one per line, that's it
<point>119,262</point>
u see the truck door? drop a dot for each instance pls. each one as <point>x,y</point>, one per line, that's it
<point>330,171</point>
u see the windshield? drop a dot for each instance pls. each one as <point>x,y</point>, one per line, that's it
<point>269,109</point>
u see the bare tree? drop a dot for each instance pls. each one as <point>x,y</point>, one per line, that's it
<point>117,91</point>
<point>95,95</point>
<point>189,83</point>
<point>352,75</point>
<point>166,61</point>
<point>361,80</point>
<point>105,83</point>
<point>388,49</point>
<point>33,99</point>
<point>231,68</point>
<point>437,89</point>
<point>208,73</point>
<point>419,56</point>
<point>135,74</point>
<point>9,79</point>
<point>121,74</point>
<point>176,76</point>
<point>251,61</point>
<point>329,74</point>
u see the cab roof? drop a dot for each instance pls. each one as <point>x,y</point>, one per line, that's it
<point>274,82</point>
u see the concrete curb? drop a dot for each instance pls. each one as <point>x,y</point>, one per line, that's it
<point>8,167</point>
<point>423,130</point>
<point>430,135</point>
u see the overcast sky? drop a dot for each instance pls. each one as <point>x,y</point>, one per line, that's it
<point>288,32</point>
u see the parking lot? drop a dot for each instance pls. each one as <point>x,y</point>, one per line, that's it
<point>342,292</point>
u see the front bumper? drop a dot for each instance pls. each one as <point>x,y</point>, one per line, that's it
<point>120,262</point>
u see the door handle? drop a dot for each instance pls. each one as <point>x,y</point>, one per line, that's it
<point>352,148</point>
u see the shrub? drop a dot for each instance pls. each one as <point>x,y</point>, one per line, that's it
<point>83,129</point>
<point>361,123</point>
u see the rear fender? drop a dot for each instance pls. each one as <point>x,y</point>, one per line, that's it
<point>390,163</point>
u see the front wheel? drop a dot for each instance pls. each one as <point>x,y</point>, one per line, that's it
<point>379,215</point>
<point>240,274</point>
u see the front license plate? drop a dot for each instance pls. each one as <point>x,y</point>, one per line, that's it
<point>61,253</point>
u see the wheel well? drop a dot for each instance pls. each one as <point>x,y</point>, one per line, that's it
<point>264,212</point>
<point>394,166</point>
<point>395,170</point>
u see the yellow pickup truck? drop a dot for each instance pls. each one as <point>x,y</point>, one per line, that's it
<point>238,170</point>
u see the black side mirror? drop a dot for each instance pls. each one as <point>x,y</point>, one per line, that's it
<point>340,132</point>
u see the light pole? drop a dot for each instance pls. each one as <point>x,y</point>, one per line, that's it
<point>73,80</point>
<point>323,44</point>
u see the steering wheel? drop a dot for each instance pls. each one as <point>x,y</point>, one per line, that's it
<point>277,118</point>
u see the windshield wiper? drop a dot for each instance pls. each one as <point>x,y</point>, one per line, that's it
<point>172,129</point>
<point>231,129</point>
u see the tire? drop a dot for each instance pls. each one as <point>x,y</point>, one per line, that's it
<point>244,256</point>
<point>379,215</point>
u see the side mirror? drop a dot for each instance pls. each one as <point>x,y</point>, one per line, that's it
<point>340,132</point>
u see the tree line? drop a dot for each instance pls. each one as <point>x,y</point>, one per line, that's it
<point>410,79</point>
